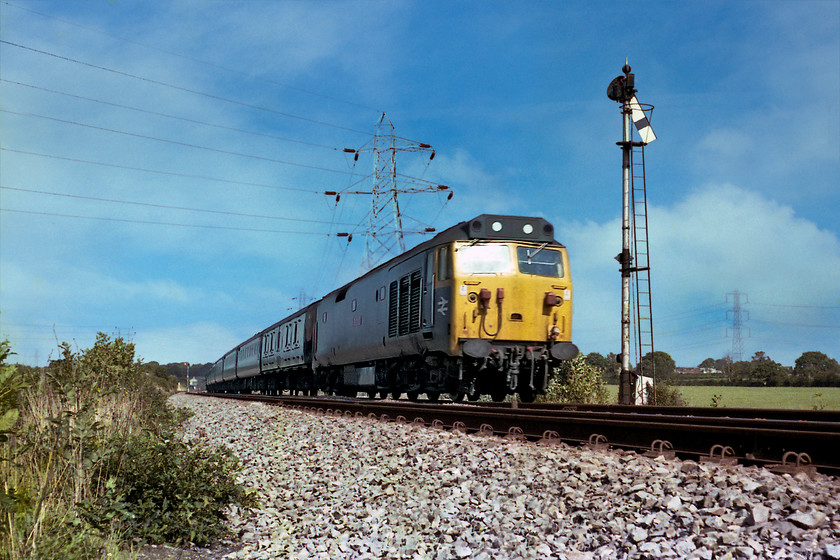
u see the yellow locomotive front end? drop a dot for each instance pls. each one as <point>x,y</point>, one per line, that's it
<point>511,318</point>
<point>512,292</point>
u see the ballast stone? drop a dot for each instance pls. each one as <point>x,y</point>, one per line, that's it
<point>349,488</point>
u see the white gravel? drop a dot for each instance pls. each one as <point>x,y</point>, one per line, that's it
<point>348,488</point>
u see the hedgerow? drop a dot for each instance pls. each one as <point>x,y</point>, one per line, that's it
<point>90,461</point>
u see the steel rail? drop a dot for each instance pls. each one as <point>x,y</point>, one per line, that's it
<point>763,440</point>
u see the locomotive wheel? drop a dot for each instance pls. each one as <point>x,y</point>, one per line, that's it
<point>457,396</point>
<point>396,395</point>
<point>413,395</point>
<point>474,396</point>
<point>433,396</point>
<point>498,396</point>
<point>371,394</point>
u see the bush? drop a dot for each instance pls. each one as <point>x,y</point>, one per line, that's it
<point>165,491</point>
<point>577,382</point>
<point>88,459</point>
<point>665,394</point>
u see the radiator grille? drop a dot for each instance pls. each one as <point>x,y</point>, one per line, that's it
<point>393,308</point>
<point>404,304</point>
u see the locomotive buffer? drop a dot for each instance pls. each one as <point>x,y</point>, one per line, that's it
<point>634,386</point>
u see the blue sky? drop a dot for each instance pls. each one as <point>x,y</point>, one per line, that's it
<point>163,163</point>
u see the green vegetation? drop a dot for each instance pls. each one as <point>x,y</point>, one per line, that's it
<point>813,382</point>
<point>802,398</point>
<point>799,398</point>
<point>664,393</point>
<point>90,462</point>
<point>811,369</point>
<point>577,381</point>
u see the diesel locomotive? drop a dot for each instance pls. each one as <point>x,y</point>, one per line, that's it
<point>482,308</point>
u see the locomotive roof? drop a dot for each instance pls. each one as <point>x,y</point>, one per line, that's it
<point>496,226</point>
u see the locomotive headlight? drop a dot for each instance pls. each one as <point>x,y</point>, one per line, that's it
<point>497,226</point>
<point>527,229</point>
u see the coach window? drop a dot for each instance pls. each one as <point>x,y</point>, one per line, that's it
<point>444,264</point>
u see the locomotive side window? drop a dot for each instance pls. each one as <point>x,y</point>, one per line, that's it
<point>540,262</point>
<point>494,258</point>
<point>444,264</point>
<point>380,294</point>
<point>353,305</point>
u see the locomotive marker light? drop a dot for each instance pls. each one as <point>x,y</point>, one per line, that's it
<point>631,388</point>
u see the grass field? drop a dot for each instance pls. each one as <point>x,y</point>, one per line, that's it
<point>810,398</point>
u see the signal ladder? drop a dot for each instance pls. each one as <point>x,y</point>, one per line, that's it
<point>641,296</point>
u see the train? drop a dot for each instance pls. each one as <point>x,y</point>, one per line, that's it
<point>482,308</point>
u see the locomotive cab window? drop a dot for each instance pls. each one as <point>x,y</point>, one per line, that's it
<point>540,261</point>
<point>486,259</point>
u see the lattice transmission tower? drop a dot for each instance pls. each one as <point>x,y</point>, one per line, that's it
<point>738,316</point>
<point>385,234</point>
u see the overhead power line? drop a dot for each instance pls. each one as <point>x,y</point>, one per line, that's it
<point>176,174</point>
<point>183,119</point>
<point>785,324</point>
<point>156,223</point>
<point>198,60</point>
<point>177,143</point>
<point>167,207</point>
<point>795,306</point>
<point>348,235</point>
<point>184,89</point>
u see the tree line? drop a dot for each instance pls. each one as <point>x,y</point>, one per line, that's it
<point>811,369</point>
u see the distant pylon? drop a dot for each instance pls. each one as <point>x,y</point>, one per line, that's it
<point>738,317</point>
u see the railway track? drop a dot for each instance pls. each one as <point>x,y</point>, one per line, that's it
<point>782,440</point>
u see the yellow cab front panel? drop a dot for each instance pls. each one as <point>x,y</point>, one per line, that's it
<point>510,291</point>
